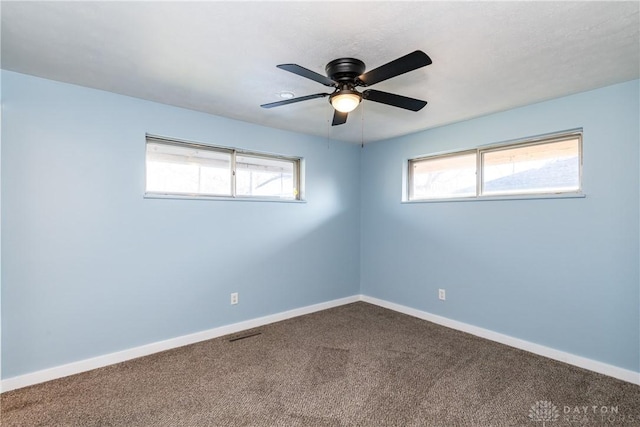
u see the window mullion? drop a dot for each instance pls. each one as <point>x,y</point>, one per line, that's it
<point>233,174</point>
<point>479,173</point>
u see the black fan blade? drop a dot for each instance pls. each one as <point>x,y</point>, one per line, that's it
<point>339,118</point>
<point>402,65</point>
<point>394,100</point>
<point>292,100</point>
<point>301,71</point>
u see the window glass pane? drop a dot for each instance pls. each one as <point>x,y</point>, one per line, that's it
<point>174,169</point>
<point>266,176</point>
<point>444,177</point>
<point>543,168</point>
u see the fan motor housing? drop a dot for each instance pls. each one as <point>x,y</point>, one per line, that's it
<point>344,69</point>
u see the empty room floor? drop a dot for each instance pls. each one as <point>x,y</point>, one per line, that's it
<point>354,365</point>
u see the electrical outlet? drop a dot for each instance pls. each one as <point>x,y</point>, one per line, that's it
<point>442,294</point>
<point>234,298</point>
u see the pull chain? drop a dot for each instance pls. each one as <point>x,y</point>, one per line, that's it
<point>362,127</point>
<point>329,127</point>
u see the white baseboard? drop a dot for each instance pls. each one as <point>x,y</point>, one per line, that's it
<point>145,350</point>
<point>551,353</point>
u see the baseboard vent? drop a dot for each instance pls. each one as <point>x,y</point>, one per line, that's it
<point>244,336</point>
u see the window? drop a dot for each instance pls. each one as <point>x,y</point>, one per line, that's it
<point>444,177</point>
<point>551,165</point>
<point>187,170</point>
<point>265,176</point>
<point>176,168</point>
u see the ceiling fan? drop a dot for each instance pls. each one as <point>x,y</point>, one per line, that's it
<point>345,74</point>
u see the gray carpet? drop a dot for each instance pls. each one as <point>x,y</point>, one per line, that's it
<point>355,365</point>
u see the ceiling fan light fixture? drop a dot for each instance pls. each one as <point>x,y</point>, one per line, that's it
<point>345,100</point>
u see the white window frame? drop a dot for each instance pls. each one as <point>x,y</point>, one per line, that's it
<point>480,151</point>
<point>298,174</point>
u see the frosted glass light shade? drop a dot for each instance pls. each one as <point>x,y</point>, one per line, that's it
<point>345,102</point>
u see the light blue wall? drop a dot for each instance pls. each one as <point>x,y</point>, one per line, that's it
<point>561,273</point>
<point>0,228</point>
<point>90,267</point>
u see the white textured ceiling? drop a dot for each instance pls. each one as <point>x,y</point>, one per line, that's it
<point>221,57</point>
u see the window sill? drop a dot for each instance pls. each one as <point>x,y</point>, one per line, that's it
<point>222,198</point>
<point>501,198</point>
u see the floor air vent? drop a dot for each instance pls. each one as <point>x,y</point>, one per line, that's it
<point>244,336</point>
